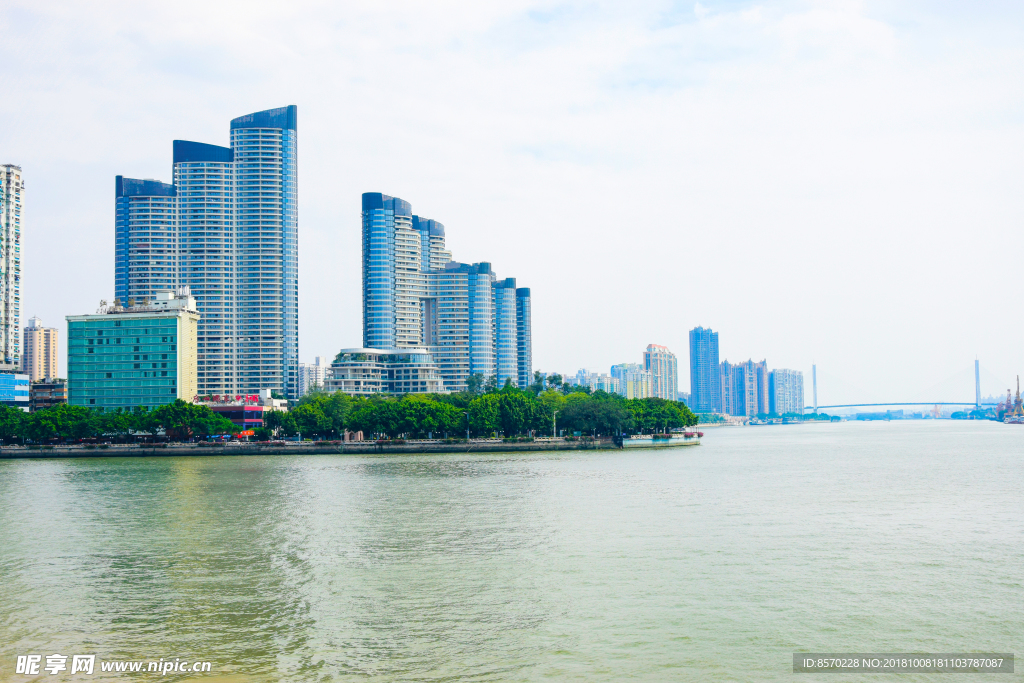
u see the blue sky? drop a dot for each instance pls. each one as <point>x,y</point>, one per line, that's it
<point>830,182</point>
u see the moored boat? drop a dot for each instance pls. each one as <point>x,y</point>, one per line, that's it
<point>662,440</point>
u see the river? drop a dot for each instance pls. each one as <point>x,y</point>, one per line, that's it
<point>709,563</point>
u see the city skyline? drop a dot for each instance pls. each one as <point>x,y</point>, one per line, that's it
<point>804,148</point>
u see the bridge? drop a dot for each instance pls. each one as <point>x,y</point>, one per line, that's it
<point>976,403</point>
<point>885,405</point>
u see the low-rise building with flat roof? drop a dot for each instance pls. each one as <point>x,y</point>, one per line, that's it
<point>379,371</point>
<point>47,393</point>
<point>14,390</point>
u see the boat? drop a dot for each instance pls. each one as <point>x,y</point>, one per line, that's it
<point>662,440</point>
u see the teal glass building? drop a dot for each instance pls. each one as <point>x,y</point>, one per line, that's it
<point>135,356</point>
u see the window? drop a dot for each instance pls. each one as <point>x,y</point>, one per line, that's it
<point>91,350</point>
<point>137,366</point>
<point>110,375</point>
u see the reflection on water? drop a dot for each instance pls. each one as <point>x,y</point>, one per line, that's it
<point>710,563</point>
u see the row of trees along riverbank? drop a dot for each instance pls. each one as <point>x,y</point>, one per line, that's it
<point>506,412</point>
<point>179,421</point>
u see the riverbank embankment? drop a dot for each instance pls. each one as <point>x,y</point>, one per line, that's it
<point>305,448</point>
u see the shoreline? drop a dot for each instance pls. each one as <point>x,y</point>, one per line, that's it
<point>311,448</point>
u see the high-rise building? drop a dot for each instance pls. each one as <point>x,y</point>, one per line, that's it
<point>728,404</point>
<point>744,388</point>
<point>416,296</point>
<point>705,374</point>
<point>524,336</point>
<point>313,375</point>
<point>39,360</point>
<point>506,348</point>
<point>204,178</point>
<point>605,383</point>
<point>664,369</point>
<point>632,380</point>
<point>145,239</point>
<point>142,355</point>
<point>265,147</point>
<point>12,190</point>
<point>232,238</point>
<point>786,392</point>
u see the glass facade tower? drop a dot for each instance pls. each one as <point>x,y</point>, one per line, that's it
<point>506,332</point>
<point>266,217</point>
<point>524,337</point>
<point>145,239</point>
<point>236,213</point>
<point>204,177</point>
<point>705,380</point>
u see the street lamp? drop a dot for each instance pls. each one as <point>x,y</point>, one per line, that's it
<point>554,432</point>
<point>467,426</point>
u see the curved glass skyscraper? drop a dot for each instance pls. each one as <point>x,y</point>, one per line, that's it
<point>204,176</point>
<point>145,239</point>
<point>236,212</point>
<point>415,296</point>
<point>506,332</point>
<point>266,224</point>
<point>524,336</point>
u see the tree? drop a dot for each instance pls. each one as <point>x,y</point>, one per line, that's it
<point>474,383</point>
<point>117,423</point>
<point>60,422</point>
<point>491,385</point>
<point>554,381</point>
<point>310,420</point>
<point>181,420</point>
<point>483,414</point>
<point>514,411</point>
<point>12,423</point>
<point>537,385</point>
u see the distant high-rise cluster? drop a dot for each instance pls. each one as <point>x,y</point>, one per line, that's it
<point>228,229</point>
<point>656,377</point>
<point>12,190</point>
<point>416,297</point>
<point>744,389</point>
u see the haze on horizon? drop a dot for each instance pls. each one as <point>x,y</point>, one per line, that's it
<point>829,182</point>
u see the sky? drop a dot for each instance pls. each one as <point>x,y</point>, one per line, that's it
<point>836,183</point>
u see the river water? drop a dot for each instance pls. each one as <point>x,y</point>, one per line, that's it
<point>709,563</point>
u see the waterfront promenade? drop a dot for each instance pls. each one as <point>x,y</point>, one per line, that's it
<point>307,448</point>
